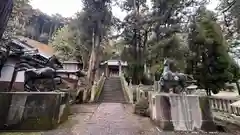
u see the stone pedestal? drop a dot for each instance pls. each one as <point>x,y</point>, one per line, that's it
<point>182,112</point>
<point>33,110</point>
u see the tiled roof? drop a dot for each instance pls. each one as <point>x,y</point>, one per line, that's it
<point>43,49</point>
<point>114,63</point>
<point>71,62</point>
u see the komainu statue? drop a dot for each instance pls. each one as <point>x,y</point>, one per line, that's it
<point>32,75</point>
<point>172,80</point>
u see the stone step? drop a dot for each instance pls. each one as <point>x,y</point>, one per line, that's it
<point>106,101</point>
<point>113,88</point>
<point>116,94</point>
<point>112,95</point>
<point>112,91</point>
<point>111,98</point>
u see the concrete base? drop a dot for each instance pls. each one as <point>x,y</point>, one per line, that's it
<point>182,112</point>
<point>33,110</point>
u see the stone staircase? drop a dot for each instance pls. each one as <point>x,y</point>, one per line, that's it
<point>112,91</point>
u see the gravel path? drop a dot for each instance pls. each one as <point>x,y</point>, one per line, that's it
<point>105,119</point>
<point>117,119</point>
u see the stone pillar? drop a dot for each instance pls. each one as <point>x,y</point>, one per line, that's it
<point>85,93</point>
<point>120,68</point>
<point>138,92</point>
<point>93,92</point>
<point>191,89</point>
<point>106,70</point>
<point>130,82</point>
<point>145,68</point>
<point>162,112</point>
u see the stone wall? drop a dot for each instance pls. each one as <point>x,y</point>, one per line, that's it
<point>33,110</point>
<point>181,112</point>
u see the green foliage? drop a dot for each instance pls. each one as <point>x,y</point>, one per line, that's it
<point>14,26</point>
<point>172,47</point>
<point>159,32</point>
<point>32,23</point>
<point>98,15</point>
<point>64,44</point>
<point>230,10</point>
<point>136,72</point>
<point>211,59</point>
<point>74,41</point>
<point>235,70</point>
<point>145,80</point>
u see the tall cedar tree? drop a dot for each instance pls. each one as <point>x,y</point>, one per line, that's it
<point>212,63</point>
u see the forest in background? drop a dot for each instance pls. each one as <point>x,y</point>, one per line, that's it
<point>33,23</point>
<point>200,41</point>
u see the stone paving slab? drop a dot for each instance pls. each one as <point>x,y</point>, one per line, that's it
<point>117,119</point>
<point>80,115</point>
<point>105,119</point>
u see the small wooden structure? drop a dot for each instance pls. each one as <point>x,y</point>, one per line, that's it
<point>21,53</point>
<point>72,65</point>
<point>27,53</point>
<point>113,67</point>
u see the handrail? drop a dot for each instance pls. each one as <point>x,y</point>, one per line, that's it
<point>97,88</point>
<point>127,88</point>
<point>224,104</point>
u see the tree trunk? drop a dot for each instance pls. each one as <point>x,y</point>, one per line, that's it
<point>92,57</point>
<point>85,62</point>
<point>94,60</point>
<point>90,74</point>
<point>6,7</point>
<point>238,87</point>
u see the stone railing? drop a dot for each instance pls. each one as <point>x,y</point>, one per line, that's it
<point>142,91</point>
<point>128,90</point>
<point>97,88</point>
<point>225,109</point>
<point>156,86</point>
<point>224,104</point>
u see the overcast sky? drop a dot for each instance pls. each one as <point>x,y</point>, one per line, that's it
<point>68,8</point>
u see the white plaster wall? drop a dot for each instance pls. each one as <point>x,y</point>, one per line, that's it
<point>20,76</point>
<point>7,70</point>
<point>70,66</point>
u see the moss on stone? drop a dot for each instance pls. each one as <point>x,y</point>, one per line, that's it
<point>66,113</point>
<point>38,123</point>
<point>45,122</point>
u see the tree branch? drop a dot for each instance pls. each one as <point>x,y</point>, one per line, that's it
<point>230,6</point>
